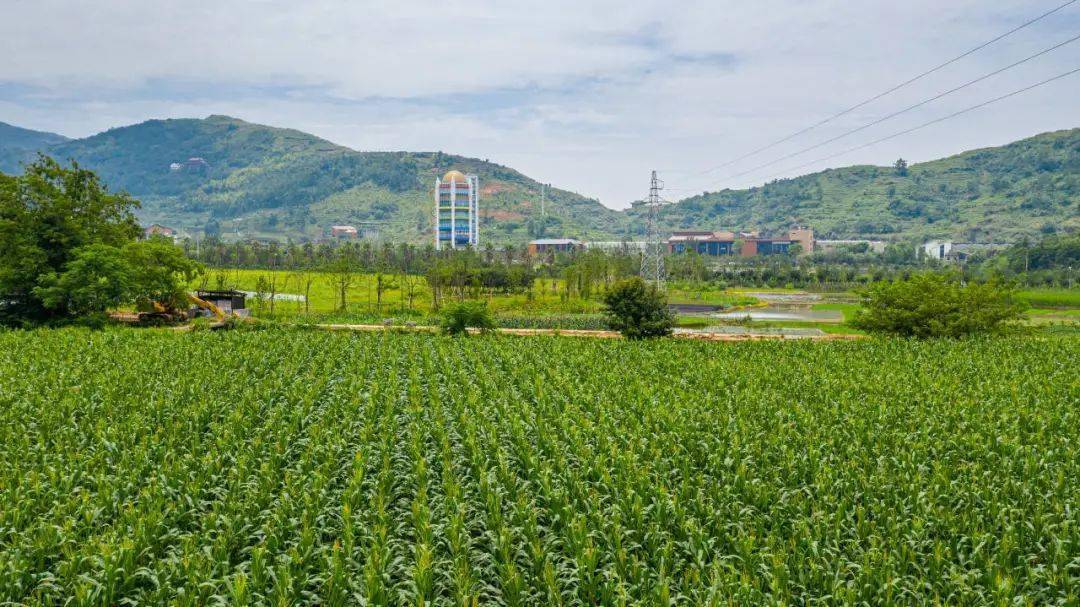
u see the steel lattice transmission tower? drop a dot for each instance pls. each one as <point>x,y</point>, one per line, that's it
<point>652,256</point>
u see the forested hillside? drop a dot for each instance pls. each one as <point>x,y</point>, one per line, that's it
<point>994,194</point>
<point>18,145</point>
<point>248,180</point>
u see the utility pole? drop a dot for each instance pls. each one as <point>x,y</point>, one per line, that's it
<point>543,212</point>
<point>652,257</point>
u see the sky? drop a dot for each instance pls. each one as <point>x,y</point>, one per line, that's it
<point>587,96</point>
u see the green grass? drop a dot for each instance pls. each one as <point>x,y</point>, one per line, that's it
<point>1054,321</point>
<point>1051,298</point>
<point>687,321</point>
<point>546,300</point>
<point>362,296</point>
<point>548,296</point>
<point>702,322</point>
<point>588,322</point>
<point>294,467</point>
<point>1063,313</point>
<point>778,290</point>
<point>847,309</point>
<point>1035,316</point>
<point>831,328</point>
<point>709,297</point>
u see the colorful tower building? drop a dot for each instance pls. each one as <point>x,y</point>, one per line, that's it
<point>457,211</point>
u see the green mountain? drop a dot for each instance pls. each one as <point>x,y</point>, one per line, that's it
<point>250,180</point>
<point>259,181</point>
<point>994,194</point>
<point>18,144</point>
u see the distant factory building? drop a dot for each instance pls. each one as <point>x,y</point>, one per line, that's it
<point>960,251</point>
<point>744,244</point>
<point>623,246</point>
<point>556,245</point>
<point>158,230</point>
<point>875,246</point>
<point>704,243</point>
<point>343,231</point>
<point>804,237</point>
<point>457,211</point>
<point>191,165</point>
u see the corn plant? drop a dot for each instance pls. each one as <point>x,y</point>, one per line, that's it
<point>285,467</point>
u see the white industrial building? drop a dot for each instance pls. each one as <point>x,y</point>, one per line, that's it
<point>876,246</point>
<point>959,251</point>
<point>616,245</point>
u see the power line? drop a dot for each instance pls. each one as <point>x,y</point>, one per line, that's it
<point>930,123</point>
<point>907,109</point>
<point>893,89</point>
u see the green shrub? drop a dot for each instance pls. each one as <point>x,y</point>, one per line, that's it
<point>456,318</point>
<point>94,320</point>
<point>936,305</point>
<point>637,310</point>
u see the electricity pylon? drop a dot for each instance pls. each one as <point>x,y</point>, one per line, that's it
<point>652,256</point>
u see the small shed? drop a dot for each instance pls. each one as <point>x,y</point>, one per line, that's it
<point>228,301</point>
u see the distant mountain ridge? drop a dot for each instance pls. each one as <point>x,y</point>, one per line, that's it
<point>1025,188</point>
<point>17,144</point>
<point>250,180</point>
<point>259,181</point>
<point>18,137</point>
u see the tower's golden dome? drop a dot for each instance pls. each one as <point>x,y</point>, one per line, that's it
<point>454,176</point>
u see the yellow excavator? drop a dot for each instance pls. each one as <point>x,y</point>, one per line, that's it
<point>167,313</point>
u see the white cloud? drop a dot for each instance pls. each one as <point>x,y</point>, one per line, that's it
<point>586,95</point>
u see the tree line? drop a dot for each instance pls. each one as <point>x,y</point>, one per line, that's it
<point>1052,261</point>
<point>69,249</point>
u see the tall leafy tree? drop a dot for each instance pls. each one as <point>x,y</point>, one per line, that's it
<point>901,167</point>
<point>160,271</point>
<point>47,215</point>
<point>97,278</point>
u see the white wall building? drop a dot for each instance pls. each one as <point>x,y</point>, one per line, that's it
<point>616,245</point>
<point>959,251</point>
<point>877,246</point>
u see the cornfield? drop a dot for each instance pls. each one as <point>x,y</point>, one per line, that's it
<point>586,322</point>
<point>289,468</point>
